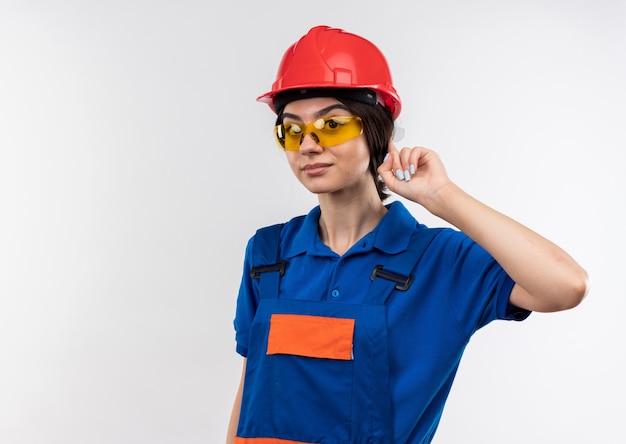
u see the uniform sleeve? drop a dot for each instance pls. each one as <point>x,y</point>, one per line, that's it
<point>478,288</point>
<point>247,302</point>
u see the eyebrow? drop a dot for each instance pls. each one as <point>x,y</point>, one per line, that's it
<point>319,113</point>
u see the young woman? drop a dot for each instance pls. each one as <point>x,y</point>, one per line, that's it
<point>352,319</point>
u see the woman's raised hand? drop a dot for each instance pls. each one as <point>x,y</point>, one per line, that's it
<point>416,174</point>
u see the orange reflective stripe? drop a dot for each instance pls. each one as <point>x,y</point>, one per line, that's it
<point>239,440</point>
<point>312,336</point>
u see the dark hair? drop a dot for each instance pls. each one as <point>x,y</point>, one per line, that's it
<point>378,128</point>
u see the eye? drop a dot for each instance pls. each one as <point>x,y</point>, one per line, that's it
<point>293,129</point>
<point>335,122</point>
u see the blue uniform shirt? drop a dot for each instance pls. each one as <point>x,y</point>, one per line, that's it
<point>458,288</point>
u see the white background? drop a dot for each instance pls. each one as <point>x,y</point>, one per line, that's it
<point>135,164</point>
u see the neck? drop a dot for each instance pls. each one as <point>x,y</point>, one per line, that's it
<point>344,221</point>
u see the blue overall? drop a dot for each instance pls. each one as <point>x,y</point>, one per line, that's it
<point>311,396</point>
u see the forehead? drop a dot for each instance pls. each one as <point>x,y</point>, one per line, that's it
<point>313,107</point>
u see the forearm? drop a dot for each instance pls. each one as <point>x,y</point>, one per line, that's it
<point>234,416</point>
<point>550,278</point>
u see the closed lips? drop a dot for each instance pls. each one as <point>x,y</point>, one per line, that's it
<point>316,166</point>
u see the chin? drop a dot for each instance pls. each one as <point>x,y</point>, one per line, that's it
<point>317,186</point>
<point>318,190</point>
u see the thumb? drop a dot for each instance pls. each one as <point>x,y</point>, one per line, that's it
<point>392,152</point>
<point>386,168</point>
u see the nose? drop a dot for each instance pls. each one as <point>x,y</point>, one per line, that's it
<point>309,144</point>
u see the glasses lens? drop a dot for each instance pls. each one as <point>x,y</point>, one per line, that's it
<point>329,131</point>
<point>333,131</point>
<point>289,136</point>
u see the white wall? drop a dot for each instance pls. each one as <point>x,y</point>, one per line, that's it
<point>135,163</point>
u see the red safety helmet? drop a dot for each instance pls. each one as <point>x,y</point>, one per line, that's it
<point>332,58</point>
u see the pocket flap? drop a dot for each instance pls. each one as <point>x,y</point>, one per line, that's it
<point>312,336</point>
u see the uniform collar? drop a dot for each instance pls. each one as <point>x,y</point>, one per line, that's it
<point>393,233</point>
<point>390,236</point>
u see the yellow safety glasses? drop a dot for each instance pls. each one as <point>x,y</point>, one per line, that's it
<point>328,131</point>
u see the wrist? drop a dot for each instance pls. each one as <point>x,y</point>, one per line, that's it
<point>445,202</point>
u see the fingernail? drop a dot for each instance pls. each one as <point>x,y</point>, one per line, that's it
<point>386,157</point>
<point>399,174</point>
<point>407,176</point>
<point>412,168</point>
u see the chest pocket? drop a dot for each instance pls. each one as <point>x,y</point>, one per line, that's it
<point>311,336</point>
